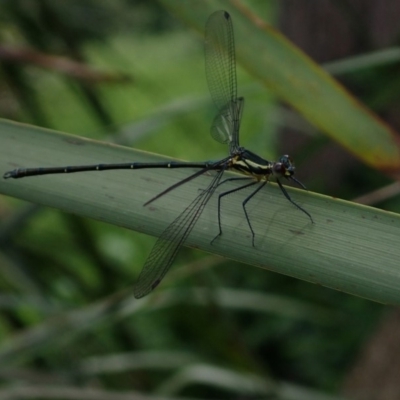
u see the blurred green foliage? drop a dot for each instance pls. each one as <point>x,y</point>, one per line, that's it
<point>54,266</point>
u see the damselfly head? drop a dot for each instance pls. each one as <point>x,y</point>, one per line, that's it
<point>284,167</point>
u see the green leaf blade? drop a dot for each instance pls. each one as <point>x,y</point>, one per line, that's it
<point>350,247</point>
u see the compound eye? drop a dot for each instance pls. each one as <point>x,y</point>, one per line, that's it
<point>287,165</point>
<point>286,160</point>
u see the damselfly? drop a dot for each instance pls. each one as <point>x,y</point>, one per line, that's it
<point>221,77</point>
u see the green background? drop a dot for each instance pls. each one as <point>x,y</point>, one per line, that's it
<point>215,328</point>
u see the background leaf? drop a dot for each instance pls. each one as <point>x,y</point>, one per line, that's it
<point>286,241</point>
